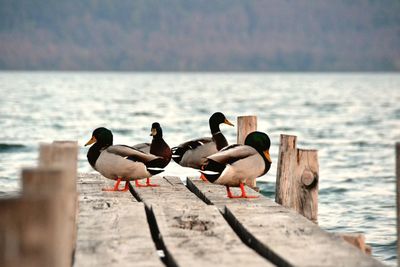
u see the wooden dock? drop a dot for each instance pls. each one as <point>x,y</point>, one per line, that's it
<point>197,225</point>
<point>64,219</point>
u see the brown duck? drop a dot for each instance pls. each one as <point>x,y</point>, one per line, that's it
<point>158,146</point>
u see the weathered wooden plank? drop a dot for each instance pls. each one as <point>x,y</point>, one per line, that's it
<point>193,233</point>
<point>282,235</point>
<point>112,227</point>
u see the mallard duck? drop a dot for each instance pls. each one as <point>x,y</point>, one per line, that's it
<point>158,146</point>
<point>234,164</point>
<point>193,153</point>
<point>120,162</point>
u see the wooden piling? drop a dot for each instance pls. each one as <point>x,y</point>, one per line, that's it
<point>398,200</point>
<point>63,154</point>
<point>60,153</point>
<point>32,226</point>
<point>43,181</point>
<point>246,125</point>
<point>357,240</point>
<point>297,178</point>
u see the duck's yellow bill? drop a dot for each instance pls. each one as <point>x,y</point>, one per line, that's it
<point>228,122</point>
<point>91,141</point>
<point>153,132</point>
<point>267,156</point>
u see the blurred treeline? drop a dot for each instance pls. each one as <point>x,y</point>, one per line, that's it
<point>195,35</point>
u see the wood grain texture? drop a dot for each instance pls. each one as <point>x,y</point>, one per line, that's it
<point>64,155</point>
<point>193,233</point>
<point>30,233</point>
<point>33,227</point>
<point>297,178</point>
<point>112,227</point>
<point>357,240</point>
<point>281,235</point>
<point>246,125</point>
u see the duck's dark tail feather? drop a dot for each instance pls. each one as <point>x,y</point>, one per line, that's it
<point>155,166</point>
<point>154,170</point>
<point>157,163</point>
<point>177,153</point>
<point>212,170</point>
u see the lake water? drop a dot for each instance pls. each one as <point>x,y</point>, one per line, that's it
<point>352,119</point>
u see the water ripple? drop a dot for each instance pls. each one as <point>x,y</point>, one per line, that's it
<point>352,119</point>
<point>7,148</point>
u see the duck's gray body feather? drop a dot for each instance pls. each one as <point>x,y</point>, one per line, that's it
<point>196,157</point>
<point>113,163</point>
<point>242,163</point>
<point>144,147</point>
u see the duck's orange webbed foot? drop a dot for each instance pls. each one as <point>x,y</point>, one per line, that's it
<point>243,195</point>
<point>148,184</point>
<point>116,187</point>
<point>202,177</point>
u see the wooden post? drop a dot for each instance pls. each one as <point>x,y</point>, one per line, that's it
<point>32,229</point>
<point>398,200</point>
<point>357,240</point>
<point>246,125</point>
<point>63,154</point>
<point>297,178</point>
<point>43,181</point>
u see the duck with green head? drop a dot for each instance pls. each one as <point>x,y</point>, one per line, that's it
<point>193,153</point>
<point>235,164</point>
<point>120,162</point>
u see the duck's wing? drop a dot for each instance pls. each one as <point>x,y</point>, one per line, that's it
<point>144,147</point>
<point>217,163</point>
<point>192,144</point>
<point>132,153</point>
<point>232,153</point>
<point>180,150</point>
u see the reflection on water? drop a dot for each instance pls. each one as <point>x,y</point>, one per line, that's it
<point>352,119</point>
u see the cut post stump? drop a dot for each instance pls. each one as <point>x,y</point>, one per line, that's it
<point>297,178</point>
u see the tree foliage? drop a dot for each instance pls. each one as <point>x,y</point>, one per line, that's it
<point>218,35</point>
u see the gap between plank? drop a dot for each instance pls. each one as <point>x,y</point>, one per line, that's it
<point>167,259</point>
<point>246,237</point>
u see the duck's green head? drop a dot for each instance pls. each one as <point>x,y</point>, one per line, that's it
<point>156,130</point>
<point>260,142</point>
<point>101,136</point>
<point>217,118</point>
